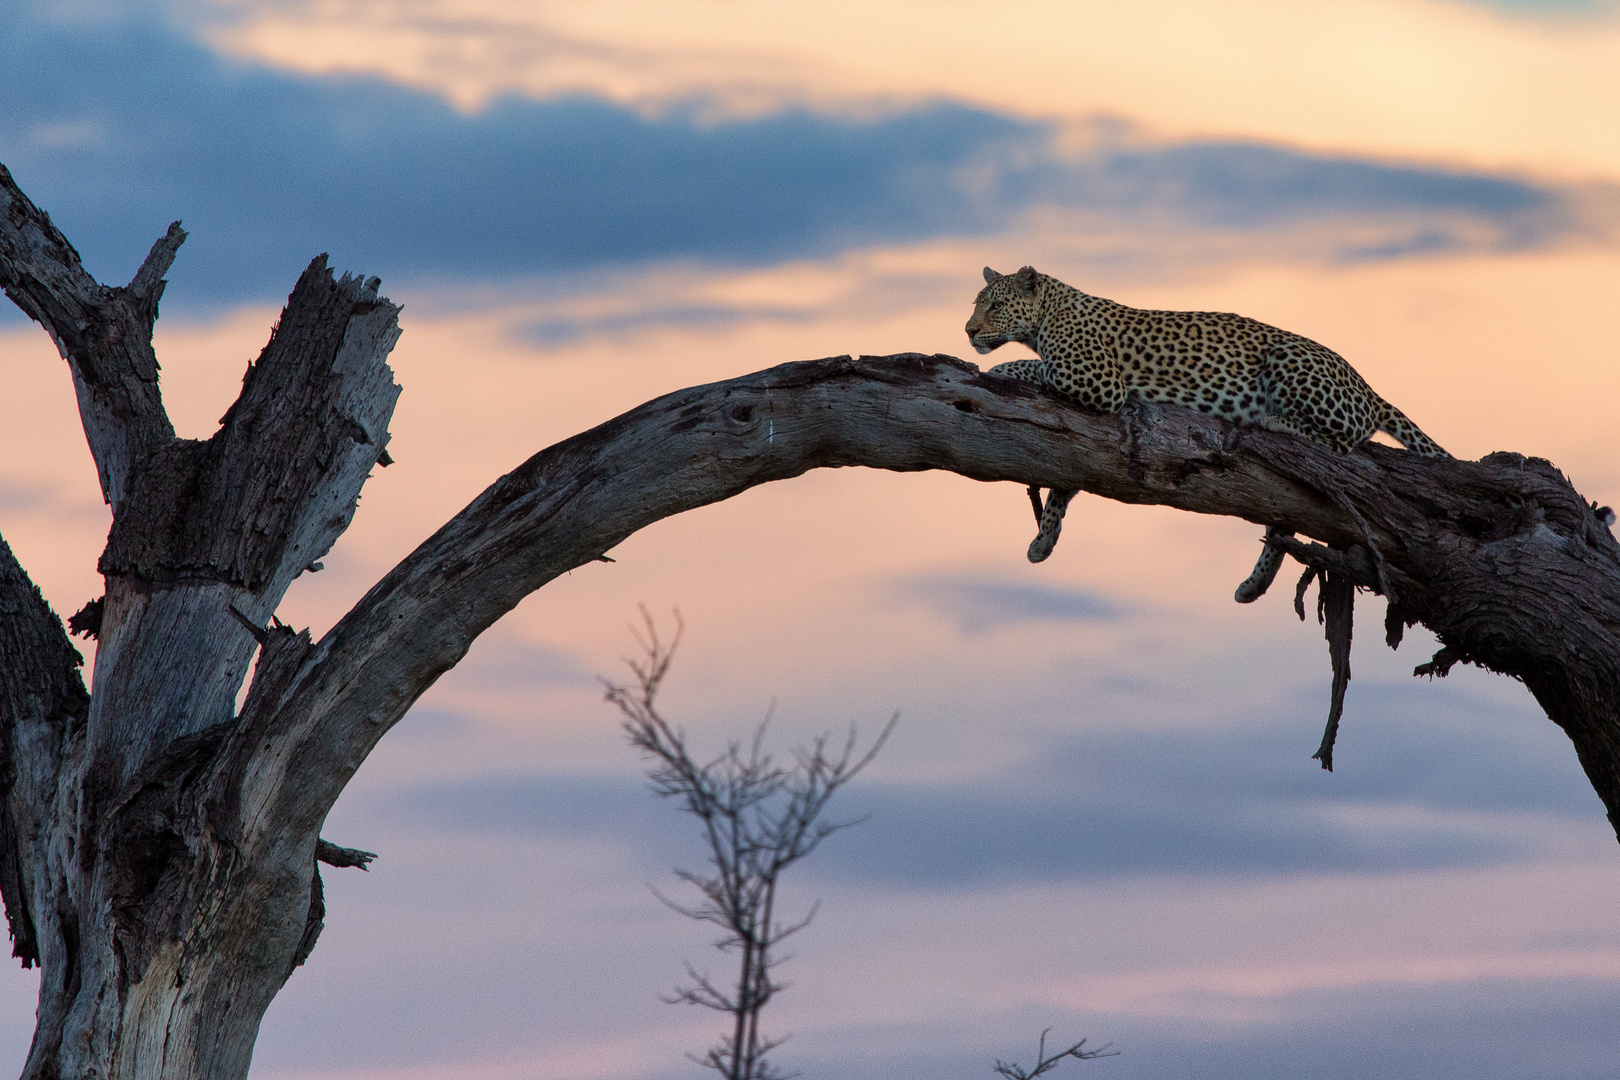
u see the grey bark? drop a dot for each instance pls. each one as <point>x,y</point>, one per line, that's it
<point>158,850</point>
<point>139,872</point>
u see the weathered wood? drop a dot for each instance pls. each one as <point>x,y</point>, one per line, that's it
<point>237,508</point>
<point>164,916</point>
<point>212,533</point>
<point>43,705</point>
<point>43,709</point>
<point>1335,605</point>
<point>104,333</point>
<point>158,848</point>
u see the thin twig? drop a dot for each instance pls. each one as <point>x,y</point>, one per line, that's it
<point>1044,1064</point>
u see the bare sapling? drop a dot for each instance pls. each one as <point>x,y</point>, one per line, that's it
<point>758,819</point>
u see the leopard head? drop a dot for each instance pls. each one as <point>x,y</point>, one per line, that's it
<point>1006,309</point>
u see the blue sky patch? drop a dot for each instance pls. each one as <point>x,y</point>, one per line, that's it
<point>560,332</point>
<point>1097,804</point>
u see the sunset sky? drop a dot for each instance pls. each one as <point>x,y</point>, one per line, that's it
<point>1099,813</point>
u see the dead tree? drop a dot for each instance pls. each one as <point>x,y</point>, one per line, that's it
<point>158,847</point>
<point>759,818</point>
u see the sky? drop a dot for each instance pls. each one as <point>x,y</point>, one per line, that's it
<point>1098,813</point>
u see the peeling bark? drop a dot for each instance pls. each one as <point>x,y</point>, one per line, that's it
<point>1335,605</point>
<point>104,333</point>
<point>43,705</point>
<point>158,848</point>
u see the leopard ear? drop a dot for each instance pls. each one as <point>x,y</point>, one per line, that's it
<point>990,276</point>
<point>1026,279</point>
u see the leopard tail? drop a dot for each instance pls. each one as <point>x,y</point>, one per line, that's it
<point>1395,423</point>
<point>1265,569</point>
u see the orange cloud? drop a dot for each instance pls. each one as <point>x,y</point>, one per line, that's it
<point>1423,79</point>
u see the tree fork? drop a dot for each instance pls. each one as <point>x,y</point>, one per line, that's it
<point>164,908</point>
<point>158,848</point>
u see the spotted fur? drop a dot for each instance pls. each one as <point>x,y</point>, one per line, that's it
<point>1099,354</point>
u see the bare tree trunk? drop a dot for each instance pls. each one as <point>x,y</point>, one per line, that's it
<point>143,870</point>
<point>158,849</point>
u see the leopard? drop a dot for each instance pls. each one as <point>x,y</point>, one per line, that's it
<point>1100,354</point>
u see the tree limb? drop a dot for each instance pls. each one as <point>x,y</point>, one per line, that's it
<point>268,494</point>
<point>212,533</point>
<point>1499,557</point>
<point>332,855</point>
<point>104,333</point>
<point>43,705</point>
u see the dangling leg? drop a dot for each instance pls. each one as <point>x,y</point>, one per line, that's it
<point>1051,519</point>
<point>1265,568</point>
<point>1050,516</point>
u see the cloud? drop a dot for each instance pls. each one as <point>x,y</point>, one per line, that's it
<point>558,805</point>
<point>1447,1031</point>
<point>267,169</point>
<point>558,332</point>
<point>23,496</point>
<point>116,126</point>
<point>976,605</point>
<point>1099,804</point>
<point>1247,185</point>
<point>1596,8</point>
<point>1217,801</point>
<point>1480,1029</point>
<point>1524,84</point>
<point>499,662</point>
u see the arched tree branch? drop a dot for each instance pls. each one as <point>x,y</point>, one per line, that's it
<point>1501,558</point>
<point>103,332</point>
